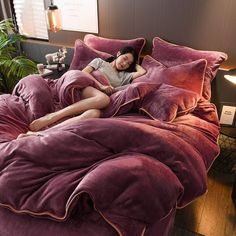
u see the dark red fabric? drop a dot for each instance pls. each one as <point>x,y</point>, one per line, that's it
<point>84,54</point>
<point>171,54</point>
<point>134,171</point>
<point>113,46</point>
<point>187,76</point>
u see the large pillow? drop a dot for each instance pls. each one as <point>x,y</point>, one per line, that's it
<point>83,55</point>
<point>112,46</point>
<point>187,76</point>
<point>168,102</point>
<point>127,99</point>
<point>172,54</point>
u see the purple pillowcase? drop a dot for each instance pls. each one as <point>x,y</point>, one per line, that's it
<point>112,46</point>
<point>168,102</point>
<point>172,54</point>
<point>83,55</point>
<point>123,101</point>
<point>187,76</point>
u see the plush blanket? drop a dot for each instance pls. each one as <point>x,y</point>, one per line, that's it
<point>133,170</point>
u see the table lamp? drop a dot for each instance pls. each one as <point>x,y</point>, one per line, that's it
<point>231,78</point>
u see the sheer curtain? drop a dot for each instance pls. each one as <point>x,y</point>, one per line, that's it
<point>31,18</point>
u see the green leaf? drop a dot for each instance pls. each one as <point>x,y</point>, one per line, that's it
<point>6,25</point>
<point>12,66</point>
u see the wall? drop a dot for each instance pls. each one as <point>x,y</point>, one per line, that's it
<point>202,24</point>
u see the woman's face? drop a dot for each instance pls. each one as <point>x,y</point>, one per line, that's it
<point>124,61</point>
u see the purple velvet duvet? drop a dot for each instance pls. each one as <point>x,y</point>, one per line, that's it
<point>120,175</point>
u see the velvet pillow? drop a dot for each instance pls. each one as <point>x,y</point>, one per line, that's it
<point>187,76</point>
<point>168,102</point>
<point>112,46</point>
<point>83,55</point>
<point>123,101</point>
<point>172,54</point>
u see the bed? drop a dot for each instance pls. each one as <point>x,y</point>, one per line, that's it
<point>123,174</point>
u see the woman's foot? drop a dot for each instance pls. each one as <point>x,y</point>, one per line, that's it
<point>41,122</point>
<point>29,133</point>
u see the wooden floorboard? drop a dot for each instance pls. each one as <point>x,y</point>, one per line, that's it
<point>183,232</point>
<point>213,214</point>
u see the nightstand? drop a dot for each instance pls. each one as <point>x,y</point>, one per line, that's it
<point>227,142</point>
<point>57,74</point>
<point>223,94</point>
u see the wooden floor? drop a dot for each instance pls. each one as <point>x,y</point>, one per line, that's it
<point>213,214</point>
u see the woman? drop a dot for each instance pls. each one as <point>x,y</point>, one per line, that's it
<point>119,71</point>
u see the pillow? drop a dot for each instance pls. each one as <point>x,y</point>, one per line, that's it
<point>168,102</point>
<point>127,99</point>
<point>172,54</point>
<point>187,76</point>
<point>112,46</point>
<point>83,55</point>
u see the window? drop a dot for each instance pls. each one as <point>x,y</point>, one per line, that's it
<point>83,14</point>
<point>31,18</point>
<point>77,15</point>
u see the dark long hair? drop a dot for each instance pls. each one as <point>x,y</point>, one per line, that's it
<point>125,50</point>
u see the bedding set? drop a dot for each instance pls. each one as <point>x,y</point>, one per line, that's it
<point>123,174</point>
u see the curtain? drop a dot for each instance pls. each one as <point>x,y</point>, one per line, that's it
<point>31,18</point>
<point>5,9</point>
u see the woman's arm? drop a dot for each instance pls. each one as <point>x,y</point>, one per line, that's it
<point>88,69</point>
<point>106,89</point>
<point>139,72</point>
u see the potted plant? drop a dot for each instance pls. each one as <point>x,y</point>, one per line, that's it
<point>13,65</point>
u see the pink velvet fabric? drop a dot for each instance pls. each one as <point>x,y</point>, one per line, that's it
<point>187,76</point>
<point>112,46</point>
<point>30,89</point>
<point>128,99</point>
<point>172,54</point>
<point>84,54</point>
<point>123,174</point>
<point>168,102</point>
<point>110,160</point>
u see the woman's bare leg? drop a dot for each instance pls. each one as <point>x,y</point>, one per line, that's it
<point>92,113</point>
<point>29,133</point>
<point>91,99</point>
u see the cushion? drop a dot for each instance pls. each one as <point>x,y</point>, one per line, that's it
<point>123,101</point>
<point>172,54</point>
<point>83,55</point>
<point>187,76</point>
<point>168,102</point>
<point>112,46</point>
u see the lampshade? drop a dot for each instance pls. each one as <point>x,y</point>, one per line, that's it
<point>231,78</point>
<point>54,18</point>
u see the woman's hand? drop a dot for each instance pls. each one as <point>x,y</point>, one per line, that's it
<point>139,72</point>
<point>107,89</point>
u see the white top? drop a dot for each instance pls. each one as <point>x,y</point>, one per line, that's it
<point>115,78</point>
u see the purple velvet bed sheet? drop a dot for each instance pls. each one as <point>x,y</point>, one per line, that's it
<point>135,171</point>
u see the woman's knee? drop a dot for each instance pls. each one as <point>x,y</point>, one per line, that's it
<point>102,100</point>
<point>105,99</point>
<point>94,113</point>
